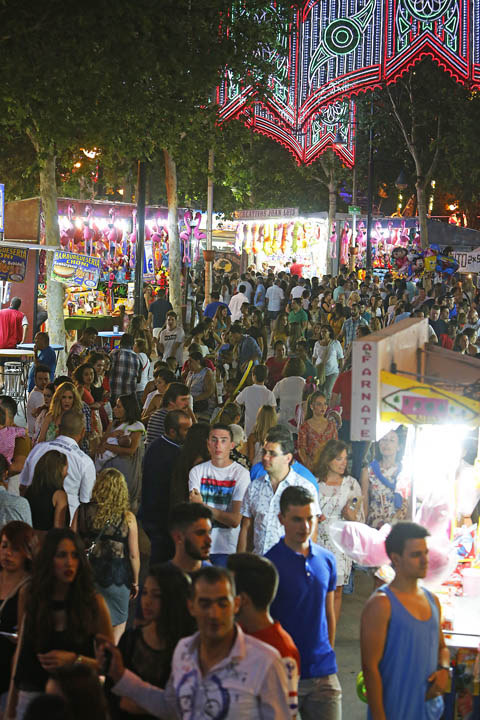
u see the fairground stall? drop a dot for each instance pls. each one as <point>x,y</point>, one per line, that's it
<point>95,259</point>
<point>399,379</point>
<point>271,238</point>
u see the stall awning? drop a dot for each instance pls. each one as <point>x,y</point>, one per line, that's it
<point>407,401</point>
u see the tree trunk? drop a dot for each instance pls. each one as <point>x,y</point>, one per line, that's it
<point>422,209</point>
<point>174,284</point>
<point>55,290</point>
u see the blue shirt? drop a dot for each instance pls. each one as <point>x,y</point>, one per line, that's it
<point>248,350</point>
<point>258,471</point>
<point>259,299</point>
<point>410,656</point>
<point>299,605</point>
<point>212,308</point>
<point>44,357</point>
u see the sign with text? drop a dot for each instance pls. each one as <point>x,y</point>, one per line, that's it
<point>148,266</point>
<point>13,264</point>
<point>354,210</point>
<point>404,400</point>
<point>364,391</point>
<point>468,262</point>
<point>76,270</point>
<point>2,207</point>
<point>267,214</point>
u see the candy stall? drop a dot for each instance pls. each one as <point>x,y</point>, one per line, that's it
<point>396,382</point>
<point>271,238</point>
<point>96,256</point>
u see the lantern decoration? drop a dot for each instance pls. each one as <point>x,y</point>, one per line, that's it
<point>334,50</point>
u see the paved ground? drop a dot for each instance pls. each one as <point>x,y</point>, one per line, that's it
<point>348,646</point>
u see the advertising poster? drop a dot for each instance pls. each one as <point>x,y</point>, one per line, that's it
<point>13,264</point>
<point>76,270</point>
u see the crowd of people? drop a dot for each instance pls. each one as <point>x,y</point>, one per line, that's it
<point>165,514</point>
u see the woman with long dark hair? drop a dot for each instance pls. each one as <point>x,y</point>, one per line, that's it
<point>194,451</point>
<point>121,446</point>
<point>385,489</point>
<point>16,544</point>
<point>147,650</point>
<point>63,616</point>
<point>340,498</point>
<point>315,432</point>
<point>48,500</point>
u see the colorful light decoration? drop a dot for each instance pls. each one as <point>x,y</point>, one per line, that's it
<point>336,49</point>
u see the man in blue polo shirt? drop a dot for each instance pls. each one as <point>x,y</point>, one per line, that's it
<point>304,605</point>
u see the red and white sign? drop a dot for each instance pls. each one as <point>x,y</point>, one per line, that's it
<point>365,390</point>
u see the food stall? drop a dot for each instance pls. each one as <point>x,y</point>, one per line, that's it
<point>396,381</point>
<point>100,238</point>
<point>270,238</point>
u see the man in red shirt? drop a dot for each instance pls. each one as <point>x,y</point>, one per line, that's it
<point>256,582</point>
<point>13,325</point>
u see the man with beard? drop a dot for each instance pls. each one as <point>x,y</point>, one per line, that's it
<point>190,526</point>
<point>160,459</point>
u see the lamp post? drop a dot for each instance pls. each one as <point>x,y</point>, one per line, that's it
<point>141,193</point>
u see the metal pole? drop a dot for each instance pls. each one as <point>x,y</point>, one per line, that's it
<point>141,192</point>
<point>208,258</point>
<point>354,196</point>
<point>370,190</point>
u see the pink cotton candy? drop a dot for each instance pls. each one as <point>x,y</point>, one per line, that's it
<point>442,561</point>
<point>365,545</point>
<point>434,515</point>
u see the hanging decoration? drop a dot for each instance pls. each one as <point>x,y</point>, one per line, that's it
<point>332,50</point>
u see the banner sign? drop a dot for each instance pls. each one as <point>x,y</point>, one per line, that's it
<point>2,207</point>
<point>76,270</point>
<point>407,401</point>
<point>148,265</point>
<point>13,264</point>
<point>267,214</point>
<point>364,391</point>
<point>468,262</point>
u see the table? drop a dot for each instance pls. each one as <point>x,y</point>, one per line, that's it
<point>112,335</point>
<point>18,390</point>
<point>30,346</point>
<point>80,322</point>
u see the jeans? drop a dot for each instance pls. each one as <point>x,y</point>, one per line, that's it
<point>320,698</point>
<point>328,385</point>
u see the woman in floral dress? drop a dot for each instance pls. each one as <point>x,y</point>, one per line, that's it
<point>340,498</point>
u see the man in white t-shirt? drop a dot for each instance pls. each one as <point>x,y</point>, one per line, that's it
<point>35,399</point>
<point>297,291</point>
<point>220,484</point>
<point>235,304</point>
<point>170,340</point>
<point>255,396</point>
<point>274,297</point>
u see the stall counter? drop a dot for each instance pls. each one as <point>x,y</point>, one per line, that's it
<point>99,322</point>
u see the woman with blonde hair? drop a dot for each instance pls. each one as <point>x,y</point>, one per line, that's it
<point>266,419</point>
<point>353,299</point>
<point>110,533</point>
<point>66,397</point>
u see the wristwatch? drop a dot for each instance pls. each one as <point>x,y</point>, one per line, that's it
<point>445,667</point>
